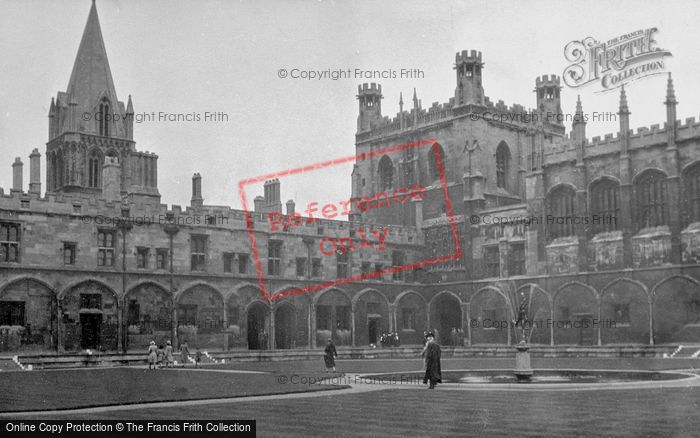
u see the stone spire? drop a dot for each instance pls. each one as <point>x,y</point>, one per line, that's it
<point>624,109</point>
<point>670,103</point>
<point>624,114</point>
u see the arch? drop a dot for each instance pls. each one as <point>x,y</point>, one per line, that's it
<point>193,284</point>
<point>573,312</point>
<point>5,284</point>
<point>385,171</point>
<point>89,310</point>
<point>200,314</point>
<point>94,170</point>
<point>30,303</point>
<point>445,315</point>
<point>625,312</point>
<point>333,309</point>
<point>676,309</point>
<point>490,316</point>
<point>148,313</point>
<point>411,316</point>
<point>370,308</point>
<point>604,201</point>
<point>503,160</point>
<point>285,325</point>
<point>540,312</point>
<point>257,324</point>
<point>651,197</point>
<point>561,204</point>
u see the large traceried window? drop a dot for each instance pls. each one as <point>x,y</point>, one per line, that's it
<point>433,168</point>
<point>502,165</point>
<point>386,173</point>
<point>560,211</point>
<point>650,193</point>
<point>692,193</point>
<point>605,205</point>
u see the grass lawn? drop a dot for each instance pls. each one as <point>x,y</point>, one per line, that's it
<point>421,412</point>
<point>63,389</point>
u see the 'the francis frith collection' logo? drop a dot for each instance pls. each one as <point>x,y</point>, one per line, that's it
<point>615,62</point>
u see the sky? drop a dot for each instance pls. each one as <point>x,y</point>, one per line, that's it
<point>187,57</point>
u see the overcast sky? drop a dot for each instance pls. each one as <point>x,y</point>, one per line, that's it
<point>191,57</point>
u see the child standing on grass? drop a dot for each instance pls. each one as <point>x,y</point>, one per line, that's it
<point>152,355</point>
<point>184,353</point>
<point>197,357</point>
<point>169,354</point>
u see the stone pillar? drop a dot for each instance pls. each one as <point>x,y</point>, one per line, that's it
<point>354,340</point>
<point>17,177</point>
<point>312,325</point>
<point>121,329</point>
<point>468,319</point>
<point>35,172</point>
<point>271,337</point>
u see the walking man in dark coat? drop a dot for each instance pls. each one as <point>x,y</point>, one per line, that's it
<point>432,361</point>
<point>330,355</point>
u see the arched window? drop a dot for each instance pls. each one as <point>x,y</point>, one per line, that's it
<point>104,117</point>
<point>605,205</point>
<point>502,165</point>
<point>59,169</point>
<point>691,179</point>
<point>94,169</point>
<point>433,168</point>
<point>560,211</point>
<point>386,173</point>
<point>650,192</point>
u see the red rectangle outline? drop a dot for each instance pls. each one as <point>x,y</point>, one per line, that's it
<point>353,158</point>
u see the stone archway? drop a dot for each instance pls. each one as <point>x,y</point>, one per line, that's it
<point>148,315</point>
<point>333,313</point>
<point>446,316</point>
<point>285,326</point>
<point>575,308</point>
<point>90,317</point>
<point>371,312</point>
<point>676,311</point>
<point>200,317</point>
<point>490,317</point>
<point>411,317</point>
<point>624,313</point>
<point>28,316</point>
<point>257,322</point>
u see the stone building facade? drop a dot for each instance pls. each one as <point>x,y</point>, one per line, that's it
<point>98,262</point>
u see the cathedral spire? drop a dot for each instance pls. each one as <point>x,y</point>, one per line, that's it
<point>91,84</point>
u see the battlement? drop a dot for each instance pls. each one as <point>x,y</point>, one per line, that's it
<point>372,88</point>
<point>548,80</point>
<point>468,56</point>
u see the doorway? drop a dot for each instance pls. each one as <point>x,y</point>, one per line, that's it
<point>257,335</point>
<point>90,328</point>
<point>373,330</point>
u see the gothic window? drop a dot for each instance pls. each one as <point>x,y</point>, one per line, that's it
<point>398,258</point>
<point>94,169</point>
<point>492,261</point>
<point>69,249</point>
<point>692,193</point>
<point>199,253</point>
<point>105,248</point>
<point>9,242</point>
<point>386,173</point>
<point>433,168</point>
<point>650,191</point>
<point>560,214</point>
<point>516,262</point>
<point>274,257</point>
<point>502,165</point>
<point>605,205</point>
<point>342,264</point>
<point>103,117</point>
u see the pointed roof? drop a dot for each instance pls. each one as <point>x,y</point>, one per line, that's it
<point>670,92</point>
<point>91,78</point>
<point>624,109</point>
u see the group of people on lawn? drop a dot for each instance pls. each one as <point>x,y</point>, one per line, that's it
<point>162,356</point>
<point>431,356</point>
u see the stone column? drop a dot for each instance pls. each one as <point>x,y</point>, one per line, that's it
<point>271,337</point>
<point>353,310</point>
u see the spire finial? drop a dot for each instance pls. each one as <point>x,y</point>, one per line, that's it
<point>670,92</point>
<point>624,109</point>
<point>400,98</point>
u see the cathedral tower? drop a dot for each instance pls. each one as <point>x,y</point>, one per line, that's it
<point>468,66</point>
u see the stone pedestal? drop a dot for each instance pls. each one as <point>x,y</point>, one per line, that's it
<point>523,370</point>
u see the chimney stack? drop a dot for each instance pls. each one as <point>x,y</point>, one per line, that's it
<point>290,207</point>
<point>259,202</point>
<point>197,200</point>
<point>17,174</point>
<point>35,172</point>
<point>272,196</point>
